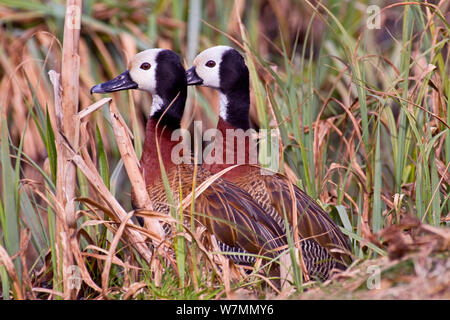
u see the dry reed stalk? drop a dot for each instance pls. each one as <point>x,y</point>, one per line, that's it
<point>62,229</point>
<point>66,107</point>
<point>6,261</point>
<point>134,289</point>
<point>93,107</point>
<point>70,84</point>
<point>130,161</point>
<point>25,239</point>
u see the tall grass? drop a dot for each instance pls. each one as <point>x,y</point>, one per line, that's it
<point>362,115</point>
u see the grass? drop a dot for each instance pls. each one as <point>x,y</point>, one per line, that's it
<point>362,116</point>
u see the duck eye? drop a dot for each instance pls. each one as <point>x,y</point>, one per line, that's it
<point>210,64</point>
<point>145,66</point>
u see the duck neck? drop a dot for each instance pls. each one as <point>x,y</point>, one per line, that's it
<point>168,108</point>
<point>234,115</point>
<point>158,133</point>
<point>235,107</point>
<point>237,146</point>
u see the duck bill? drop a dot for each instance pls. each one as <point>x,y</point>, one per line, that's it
<point>192,77</point>
<point>122,82</point>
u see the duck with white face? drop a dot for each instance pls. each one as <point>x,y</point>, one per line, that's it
<point>158,72</point>
<point>223,68</point>
<point>229,213</point>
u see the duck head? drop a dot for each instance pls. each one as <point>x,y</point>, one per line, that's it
<point>223,68</point>
<point>158,72</point>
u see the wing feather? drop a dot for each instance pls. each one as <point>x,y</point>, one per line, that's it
<point>313,221</point>
<point>236,219</point>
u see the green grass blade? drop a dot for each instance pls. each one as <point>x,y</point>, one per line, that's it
<point>400,156</point>
<point>103,166</point>
<point>10,221</point>
<point>344,217</point>
<point>377,184</point>
<point>51,147</point>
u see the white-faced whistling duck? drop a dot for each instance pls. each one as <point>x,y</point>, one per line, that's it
<point>224,69</point>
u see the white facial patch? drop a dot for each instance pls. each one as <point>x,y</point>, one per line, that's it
<point>146,79</point>
<point>210,76</point>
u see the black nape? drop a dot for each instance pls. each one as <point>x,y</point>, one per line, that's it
<point>171,87</point>
<point>235,85</point>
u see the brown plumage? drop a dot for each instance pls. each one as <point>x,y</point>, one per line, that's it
<point>223,68</point>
